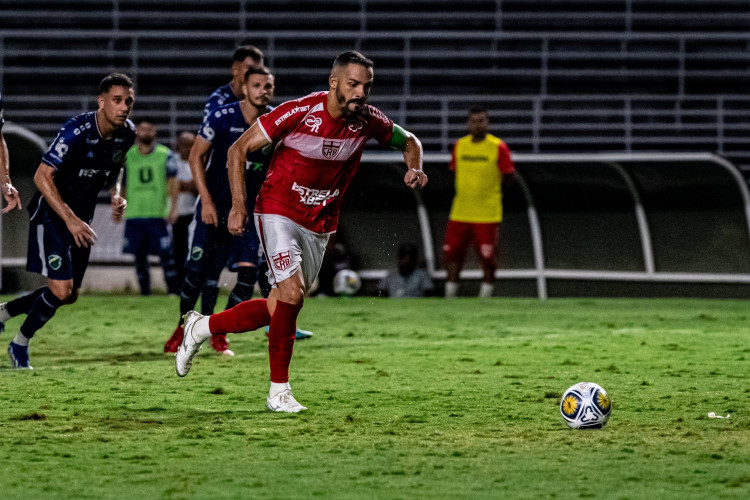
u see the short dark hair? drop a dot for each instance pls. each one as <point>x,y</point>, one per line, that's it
<point>244,51</point>
<point>115,80</point>
<point>257,70</point>
<point>477,109</point>
<point>352,57</point>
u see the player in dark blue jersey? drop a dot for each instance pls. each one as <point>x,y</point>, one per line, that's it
<point>243,58</point>
<point>86,156</point>
<point>212,247</point>
<point>9,192</point>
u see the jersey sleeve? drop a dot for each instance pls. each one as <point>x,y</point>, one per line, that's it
<point>380,127</point>
<point>211,125</point>
<point>504,160</point>
<point>68,140</point>
<point>211,105</point>
<point>2,120</point>
<point>282,120</point>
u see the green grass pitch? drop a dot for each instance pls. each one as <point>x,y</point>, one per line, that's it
<point>408,399</point>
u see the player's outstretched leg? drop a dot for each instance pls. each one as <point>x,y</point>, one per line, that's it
<point>245,317</point>
<point>21,305</point>
<point>41,311</point>
<point>196,333</point>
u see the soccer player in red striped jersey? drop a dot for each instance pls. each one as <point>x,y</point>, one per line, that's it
<point>319,140</point>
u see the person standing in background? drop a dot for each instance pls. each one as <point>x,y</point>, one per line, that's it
<point>151,185</point>
<point>483,168</point>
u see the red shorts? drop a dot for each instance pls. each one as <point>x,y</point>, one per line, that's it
<point>459,235</point>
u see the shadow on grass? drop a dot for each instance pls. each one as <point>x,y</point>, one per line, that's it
<point>114,358</point>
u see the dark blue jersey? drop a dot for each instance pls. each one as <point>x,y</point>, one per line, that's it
<point>222,128</point>
<point>85,163</point>
<point>2,120</point>
<point>220,97</point>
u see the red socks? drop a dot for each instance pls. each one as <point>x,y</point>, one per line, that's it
<point>281,339</point>
<point>253,314</point>
<point>244,317</point>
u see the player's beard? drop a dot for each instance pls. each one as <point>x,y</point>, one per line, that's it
<point>260,103</point>
<point>344,104</point>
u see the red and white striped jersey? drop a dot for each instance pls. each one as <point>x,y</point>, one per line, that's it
<point>315,159</point>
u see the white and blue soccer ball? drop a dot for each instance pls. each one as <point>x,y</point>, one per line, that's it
<point>586,405</point>
<point>346,282</point>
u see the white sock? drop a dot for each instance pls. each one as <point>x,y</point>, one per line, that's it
<point>201,330</point>
<point>4,316</point>
<point>277,388</point>
<point>486,289</point>
<point>451,289</point>
<point>20,339</point>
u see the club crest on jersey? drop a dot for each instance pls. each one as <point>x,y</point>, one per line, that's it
<point>355,125</point>
<point>314,122</point>
<point>331,148</point>
<point>196,253</point>
<point>282,260</point>
<point>54,261</point>
<point>117,156</point>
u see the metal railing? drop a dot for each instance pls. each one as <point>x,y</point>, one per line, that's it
<point>626,75</point>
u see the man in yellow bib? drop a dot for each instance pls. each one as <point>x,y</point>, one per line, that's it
<point>483,167</point>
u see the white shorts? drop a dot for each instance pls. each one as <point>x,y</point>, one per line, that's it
<point>290,247</point>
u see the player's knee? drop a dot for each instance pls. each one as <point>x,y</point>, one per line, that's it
<point>292,294</point>
<point>452,255</point>
<point>64,291</point>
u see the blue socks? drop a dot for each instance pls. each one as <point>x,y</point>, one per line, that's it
<point>42,310</point>
<point>243,290</point>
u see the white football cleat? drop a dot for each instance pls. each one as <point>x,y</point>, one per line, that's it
<point>190,346</point>
<point>284,401</point>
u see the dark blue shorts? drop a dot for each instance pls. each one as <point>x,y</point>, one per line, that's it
<point>151,233</point>
<point>52,252</point>
<point>212,248</point>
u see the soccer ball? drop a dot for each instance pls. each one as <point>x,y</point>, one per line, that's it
<point>586,406</point>
<point>346,282</point>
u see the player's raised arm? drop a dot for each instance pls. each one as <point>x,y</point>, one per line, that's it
<point>44,179</point>
<point>252,140</point>
<point>411,147</point>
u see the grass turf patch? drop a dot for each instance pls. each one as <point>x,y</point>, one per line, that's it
<point>407,398</point>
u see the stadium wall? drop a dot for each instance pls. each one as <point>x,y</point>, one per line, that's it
<point>575,225</point>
